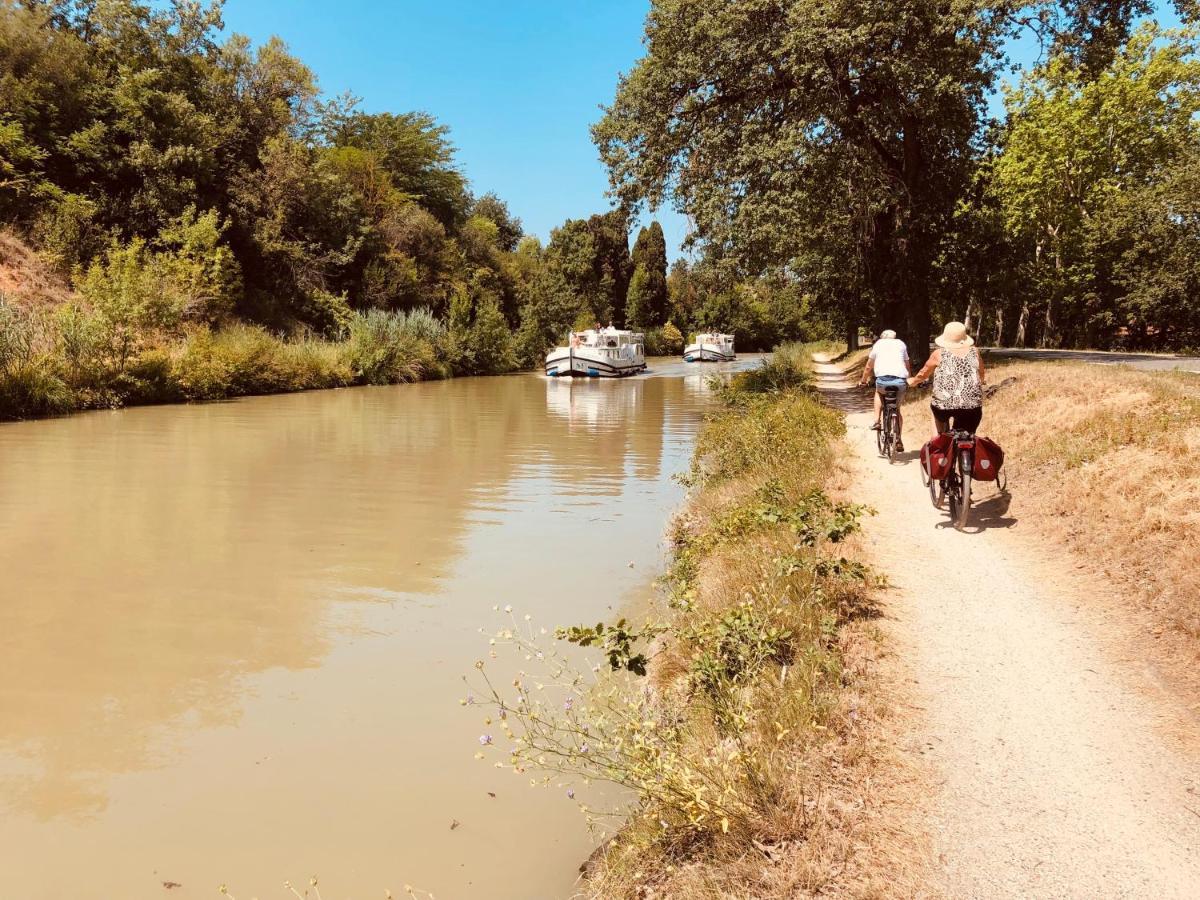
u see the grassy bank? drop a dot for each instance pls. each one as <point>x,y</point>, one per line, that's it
<point>743,714</point>
<point>1101,460</point>
<point>65,359</point>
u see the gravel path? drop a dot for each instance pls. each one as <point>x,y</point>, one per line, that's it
<point>1063,768</point>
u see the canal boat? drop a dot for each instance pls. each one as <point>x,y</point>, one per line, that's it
<point>598,353</point>
<point>710,348</point>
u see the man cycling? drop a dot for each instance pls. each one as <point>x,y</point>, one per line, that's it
<point>888,362</point>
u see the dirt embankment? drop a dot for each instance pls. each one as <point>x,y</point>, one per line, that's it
<point>1059,764</point>
<point>25,279</point>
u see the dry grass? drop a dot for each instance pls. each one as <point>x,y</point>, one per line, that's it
<point>819,726</point>
<point>1101,461</point>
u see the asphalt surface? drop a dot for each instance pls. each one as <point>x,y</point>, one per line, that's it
<point>1148,361</point>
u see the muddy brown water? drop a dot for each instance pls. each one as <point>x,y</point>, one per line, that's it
<point>232,636</point>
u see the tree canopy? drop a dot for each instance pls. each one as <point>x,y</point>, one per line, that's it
<point>846,147</point>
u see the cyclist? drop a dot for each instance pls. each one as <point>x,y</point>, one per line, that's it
<point>888,362</point>
<point>958,379</point>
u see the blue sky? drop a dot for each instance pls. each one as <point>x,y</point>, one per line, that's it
<point>519,83</point>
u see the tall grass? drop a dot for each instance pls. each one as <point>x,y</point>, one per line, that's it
<point>788,367</point>
<point>67,360</point>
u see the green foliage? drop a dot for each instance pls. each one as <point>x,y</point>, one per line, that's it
<point>67,232</point>
<point>132,303</point>
<point>508,227</point>
<point>617,641</point>
<point>788,367</point>
<point>489,345</point>
<point>665,341</point>
<point>1090,188</point>
<point>646,304</point>
<point>734,647</point>
<point>382,351</point>
<point>29,385</point>
<point>846,153</point>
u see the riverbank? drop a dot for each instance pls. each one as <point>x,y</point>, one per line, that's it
<point>771,658</point>
<point>68,360</point>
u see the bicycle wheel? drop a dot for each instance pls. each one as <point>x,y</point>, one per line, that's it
<point>964,497</point>
<point>881,436</point>
<point>937,493</point>
<point>893,426</point>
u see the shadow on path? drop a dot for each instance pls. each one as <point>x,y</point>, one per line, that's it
<point>841,393</point>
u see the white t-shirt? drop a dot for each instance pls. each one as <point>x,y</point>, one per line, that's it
<point>891,358</point>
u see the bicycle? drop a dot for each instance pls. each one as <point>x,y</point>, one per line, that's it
<point>956,486</point>
<point>888,435</point>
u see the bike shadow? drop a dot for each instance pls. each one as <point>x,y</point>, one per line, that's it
<point>990,512</point>
<point>907,457</point>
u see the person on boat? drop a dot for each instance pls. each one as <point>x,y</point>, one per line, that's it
<point>888,362</point>
<point>958,379</point>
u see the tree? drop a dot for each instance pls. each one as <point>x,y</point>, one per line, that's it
<point>737,106</point>
<point>508,226</point>
<point>837,140</point>
<point>646,305</point>
<point>1075,144</point>
<point>592,257</point>
<point>413,148</point>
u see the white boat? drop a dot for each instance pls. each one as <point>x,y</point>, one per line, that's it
<point>710,348</point>
<point>604,353</point>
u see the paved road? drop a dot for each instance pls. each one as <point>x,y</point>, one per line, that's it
<point>1147,361</point>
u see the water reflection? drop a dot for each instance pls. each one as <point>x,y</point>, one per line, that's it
<point>218,616</point>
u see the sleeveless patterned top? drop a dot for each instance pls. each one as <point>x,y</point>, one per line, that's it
<point>956,381</point>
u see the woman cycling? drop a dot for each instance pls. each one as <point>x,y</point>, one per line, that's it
<point>958,379</point>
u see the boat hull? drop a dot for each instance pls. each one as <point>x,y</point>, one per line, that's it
<point>568,365</point>
<point>706,353</point>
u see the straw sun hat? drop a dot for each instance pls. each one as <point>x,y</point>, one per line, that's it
<point>954,336</point>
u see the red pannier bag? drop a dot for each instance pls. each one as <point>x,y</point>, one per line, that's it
<point>989,458</point>
<point>935,457</point>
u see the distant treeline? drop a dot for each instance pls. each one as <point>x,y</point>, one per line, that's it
<point>849,150</point>
<point>177,182</point>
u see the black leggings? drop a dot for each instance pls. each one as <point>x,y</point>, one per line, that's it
<point>964,419</point>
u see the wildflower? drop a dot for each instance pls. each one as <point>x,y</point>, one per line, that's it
<point>570,794</point>
<point>528,617</point>
<point>584,748</point>
<point>568,703</point>
<point>508,608</point>
<point>485,739</point>
<point>479,663</point>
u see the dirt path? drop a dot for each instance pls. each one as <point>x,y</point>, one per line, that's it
<point>1062,769</point>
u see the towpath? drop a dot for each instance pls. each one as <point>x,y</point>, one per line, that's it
<point>1061,767</point>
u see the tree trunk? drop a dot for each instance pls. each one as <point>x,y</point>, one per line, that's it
<point>999,326</point>
<point>1048,325</point>
<point>852,335</point>
<point>1022,322</point>
<point>967,315</point>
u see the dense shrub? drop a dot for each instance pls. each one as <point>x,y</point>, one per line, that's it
<point>381,351</point>
<point>665,341</point>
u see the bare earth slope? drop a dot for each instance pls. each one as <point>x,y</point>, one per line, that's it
<point>1062,768</point>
